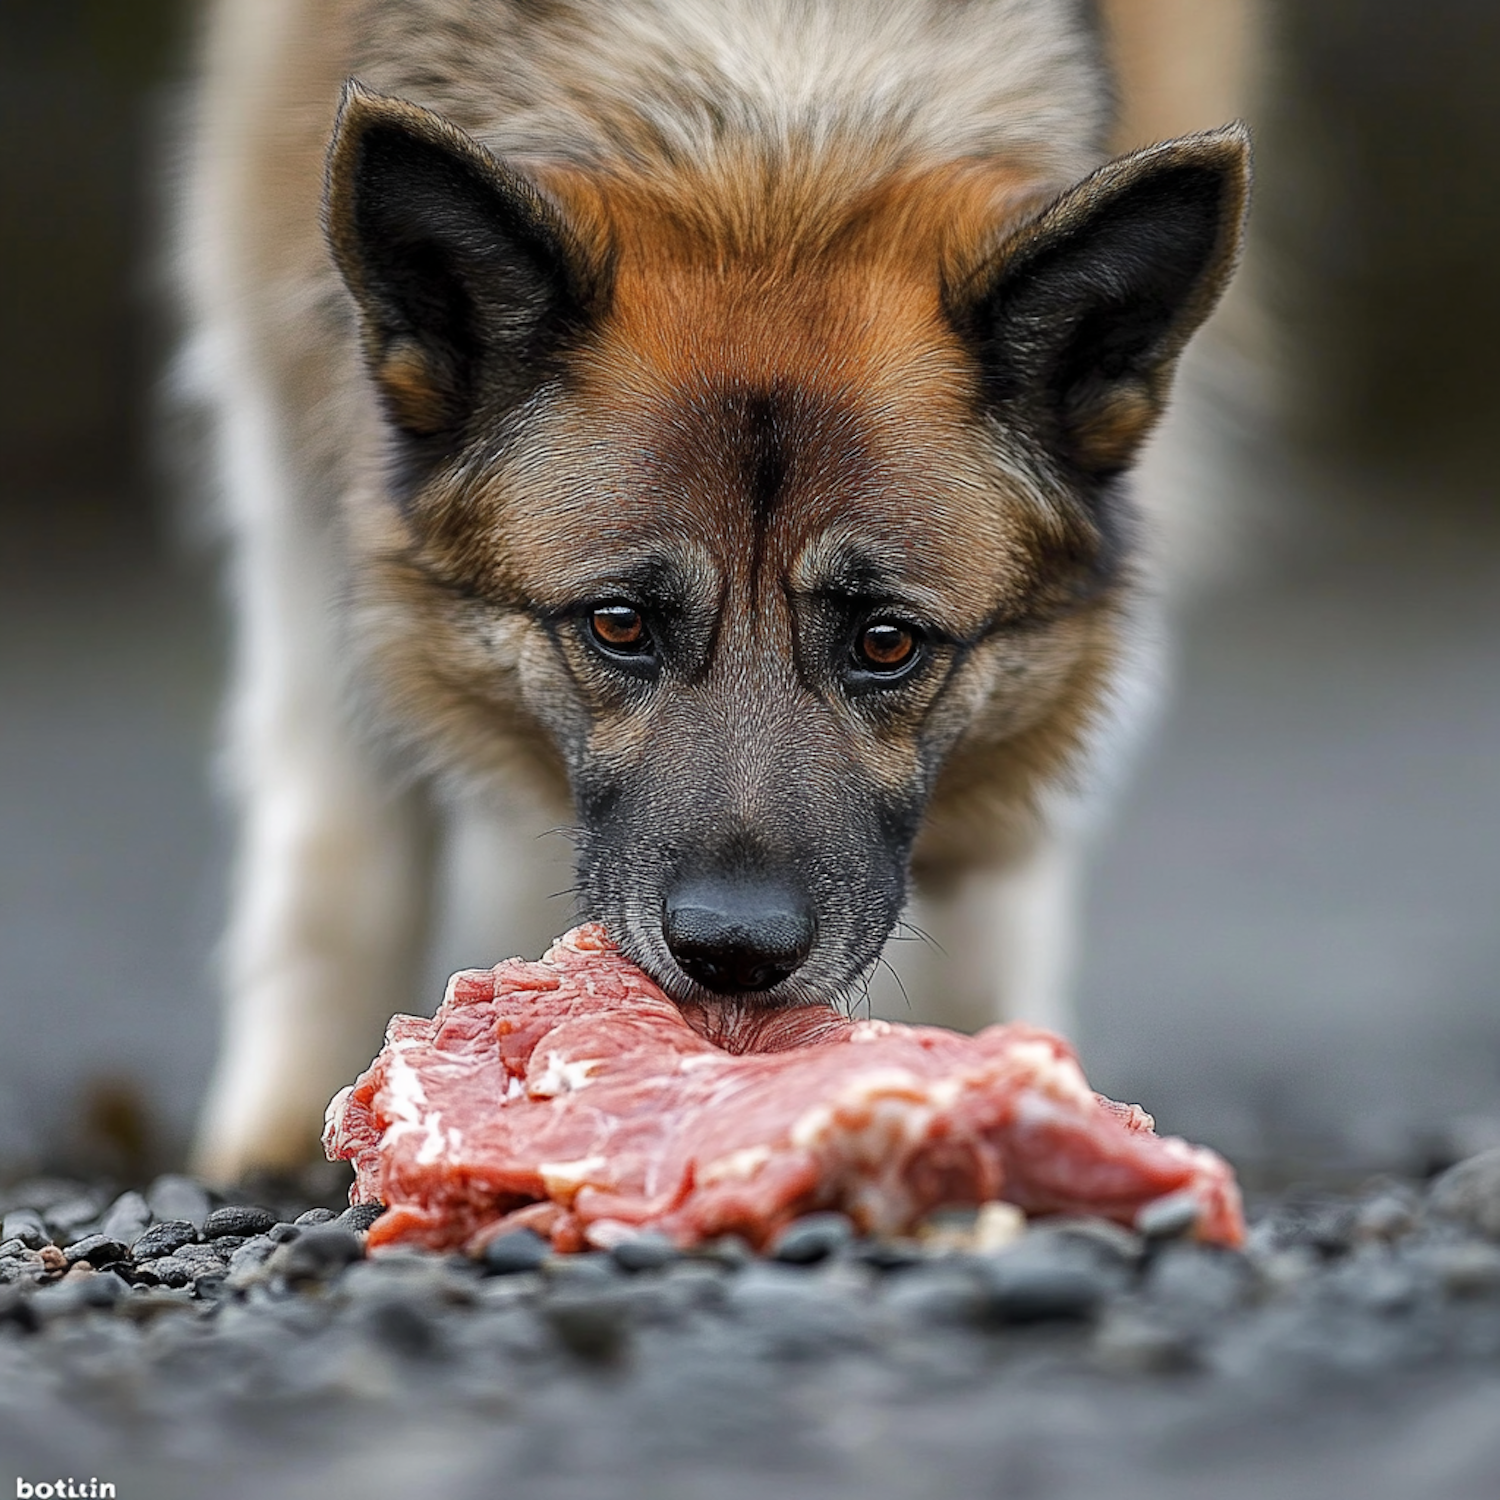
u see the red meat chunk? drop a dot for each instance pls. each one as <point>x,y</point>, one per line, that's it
<point>573,1096</point>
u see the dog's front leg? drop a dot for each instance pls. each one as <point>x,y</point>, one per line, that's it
<point>1002,942</point>
<point>327,922</point>
<point>330,886</point>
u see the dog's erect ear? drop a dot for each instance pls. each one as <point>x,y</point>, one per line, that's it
<point>464,274</point>
<point>1080,315</point>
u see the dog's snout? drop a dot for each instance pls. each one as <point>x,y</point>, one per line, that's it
<point>734,938</point>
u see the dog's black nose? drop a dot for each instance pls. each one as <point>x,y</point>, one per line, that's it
<point>734,937</point>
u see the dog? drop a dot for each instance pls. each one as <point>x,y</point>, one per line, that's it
<point>704,426</point>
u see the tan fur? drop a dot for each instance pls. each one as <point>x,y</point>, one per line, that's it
<point>770,196</point>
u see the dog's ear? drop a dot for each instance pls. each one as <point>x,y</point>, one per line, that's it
<point>1080,315</point>
<point>464,274</point>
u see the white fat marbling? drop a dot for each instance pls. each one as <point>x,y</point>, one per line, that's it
<point>562,1179</point>
<point>735,1166</point>
<point>561,1076</point>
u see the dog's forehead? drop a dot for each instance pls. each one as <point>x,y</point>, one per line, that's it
<point>811,492</point>
<point>810,465</point>
<point>784,484</point>
<point>801,408</point>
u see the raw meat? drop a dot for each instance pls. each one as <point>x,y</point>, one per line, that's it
<point>573,1096</point>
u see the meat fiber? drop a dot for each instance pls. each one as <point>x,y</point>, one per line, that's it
<point>573,1096</point>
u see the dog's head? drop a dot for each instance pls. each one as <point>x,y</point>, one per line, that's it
<point>757,490</point>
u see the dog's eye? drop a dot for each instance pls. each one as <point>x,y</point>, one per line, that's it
<point>886,647</point>
<point>620,628</point>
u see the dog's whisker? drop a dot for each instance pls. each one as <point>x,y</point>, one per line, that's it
<point>907,931</point>
<point>885,963</point>
<point>861,1000</point>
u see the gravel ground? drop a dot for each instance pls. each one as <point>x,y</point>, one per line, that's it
<point>178,1345</point>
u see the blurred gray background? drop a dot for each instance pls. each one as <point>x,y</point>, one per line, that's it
<point>1293,946</point>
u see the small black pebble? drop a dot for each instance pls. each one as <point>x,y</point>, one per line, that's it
<point>1098,1240</point>
<point>167,1270</point>
<point>241,1219</point>
<point>103,1290</point>
<point>813,1238</point>
<point>319,1252</point>
<point>251,1256</point>
<point>1024,1291</point>
<point>25,1224</point>
<point>316,1216</point>
<point>164,1238</point>
<point>68,1217</point>
<point>284,1233</point>
<point>214,1256</point>
<point>360,1216</point>
<point>1168,1218</point>
<point>126,1217</point>
<point>888,1255</point>
<point>936,1294</point>
<point>646,1252</point>
<point>518,1250</point>
<point>97,1250</point>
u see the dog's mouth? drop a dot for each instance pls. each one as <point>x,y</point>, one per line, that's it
<point>739,1028</point>
<point>789,1015</point>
